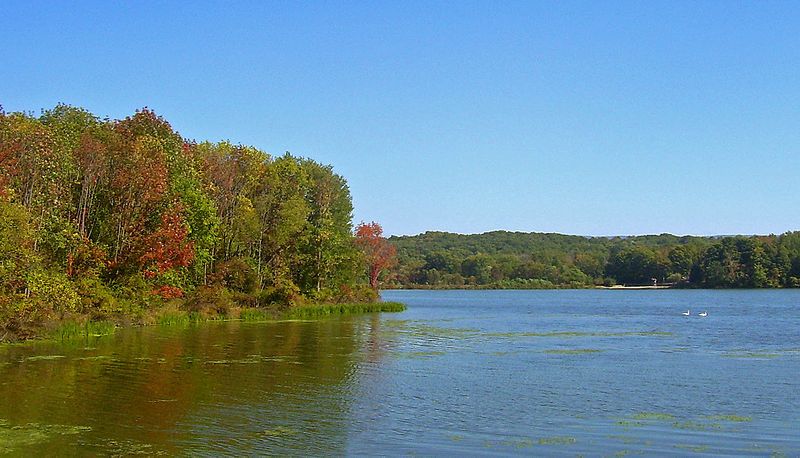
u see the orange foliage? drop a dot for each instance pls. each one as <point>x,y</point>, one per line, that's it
<point>168,247</point>
<point>380,254</point>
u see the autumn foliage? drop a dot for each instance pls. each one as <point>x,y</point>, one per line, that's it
<point>379,253</point>
<point>112,216</point>
<point>168,247</point>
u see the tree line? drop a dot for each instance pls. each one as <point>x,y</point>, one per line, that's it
<point>537,260</point>
<point>102,217</point>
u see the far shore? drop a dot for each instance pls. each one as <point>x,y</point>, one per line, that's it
<point>635,287</point>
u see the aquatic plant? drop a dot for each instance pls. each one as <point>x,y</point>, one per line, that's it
<point>73,329</point>
<point>692,448</point>
<point>731,418</point>
<point>255,314</point>
<point>44,357</point>
<point>556,440</point>
<point>279,431</point>
<point>696,426</point>
<point>14,437</point>
<point>749,354</point>
<point>572,351</point>
<point>566,334</point>
<point>420,354</point>
<point>654,416</point>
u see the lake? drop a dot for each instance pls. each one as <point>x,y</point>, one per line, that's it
<point>556,373</point>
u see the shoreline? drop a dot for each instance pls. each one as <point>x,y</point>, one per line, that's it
<point>635,287</point>
<point>77,327</point>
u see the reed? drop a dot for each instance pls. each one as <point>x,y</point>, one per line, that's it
<point>81,329</point>
<point>302,312</point>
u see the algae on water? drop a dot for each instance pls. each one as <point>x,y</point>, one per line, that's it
<point>731,418</point>
<point>14,437</point>
<point>654,416</point>
<point>573,351</point>
<point>44,357</point>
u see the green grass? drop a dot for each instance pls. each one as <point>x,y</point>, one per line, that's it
<point>172,315</point>
<point>73,330</point>
<point>173,318</point>
<point>304,312</point>
<point>255,315</point>
<point>176,317</point>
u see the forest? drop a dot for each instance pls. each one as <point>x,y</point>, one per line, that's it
<point>539,260</point>
<point>104,218</point>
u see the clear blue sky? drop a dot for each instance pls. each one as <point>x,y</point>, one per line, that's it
<point>591,118</point>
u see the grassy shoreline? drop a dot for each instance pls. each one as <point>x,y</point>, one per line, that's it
<point>78,327</point>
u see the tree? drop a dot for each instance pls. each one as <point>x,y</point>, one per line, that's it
<point>378,252</point>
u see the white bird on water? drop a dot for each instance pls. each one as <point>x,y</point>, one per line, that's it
<point>703,313</point>
<point>686,313</point>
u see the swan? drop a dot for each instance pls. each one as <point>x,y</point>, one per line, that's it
<point>686,313</point>
<point>703,313</point>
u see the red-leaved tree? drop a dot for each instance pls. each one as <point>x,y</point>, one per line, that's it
<point>379,253</point>
<point>169,246</point>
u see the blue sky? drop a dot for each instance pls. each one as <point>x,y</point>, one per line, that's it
<point>591,118</point>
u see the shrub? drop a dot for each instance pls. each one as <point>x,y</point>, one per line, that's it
<point>210,300</point>
<point>236,274</point>
<point>52,290</point>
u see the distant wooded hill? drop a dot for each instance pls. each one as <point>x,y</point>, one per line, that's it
<point>504,259</point>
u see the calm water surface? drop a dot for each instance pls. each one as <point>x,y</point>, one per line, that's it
<point>593,373</point>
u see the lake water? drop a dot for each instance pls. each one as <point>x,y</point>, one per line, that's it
<point>555,373</point>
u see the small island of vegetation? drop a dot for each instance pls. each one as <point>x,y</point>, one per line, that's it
<point>125,221</point>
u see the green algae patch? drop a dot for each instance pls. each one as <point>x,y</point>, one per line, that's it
<point>653,416</point>
<point>568,334</point>
<point>626,439</point>
<point>13,438</point>
<point>556,440</point>
<point>730,418</point>
<point>234,361</point>
<point>420,354</point>
<point>44,357</point>
<point>692,448</point>
<point>93,358</point>
<point>517,443</point>
<point>573,351</point>
<point>428,332</point>
<point>130,448</point>
<point>696,426</point>
<point>750,355</point>
<point>279,431</point>
<point>629,423</point>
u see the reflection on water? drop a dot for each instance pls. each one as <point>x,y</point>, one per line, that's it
<point>210,388</point>
<point>597,373</point>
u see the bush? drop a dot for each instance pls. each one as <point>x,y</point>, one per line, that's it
<point>210,300</point>
<point>52,291</point>
<point>97,299</point>
<point>345,293</point>
<point>236,274</point>
<point>285,294</point>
